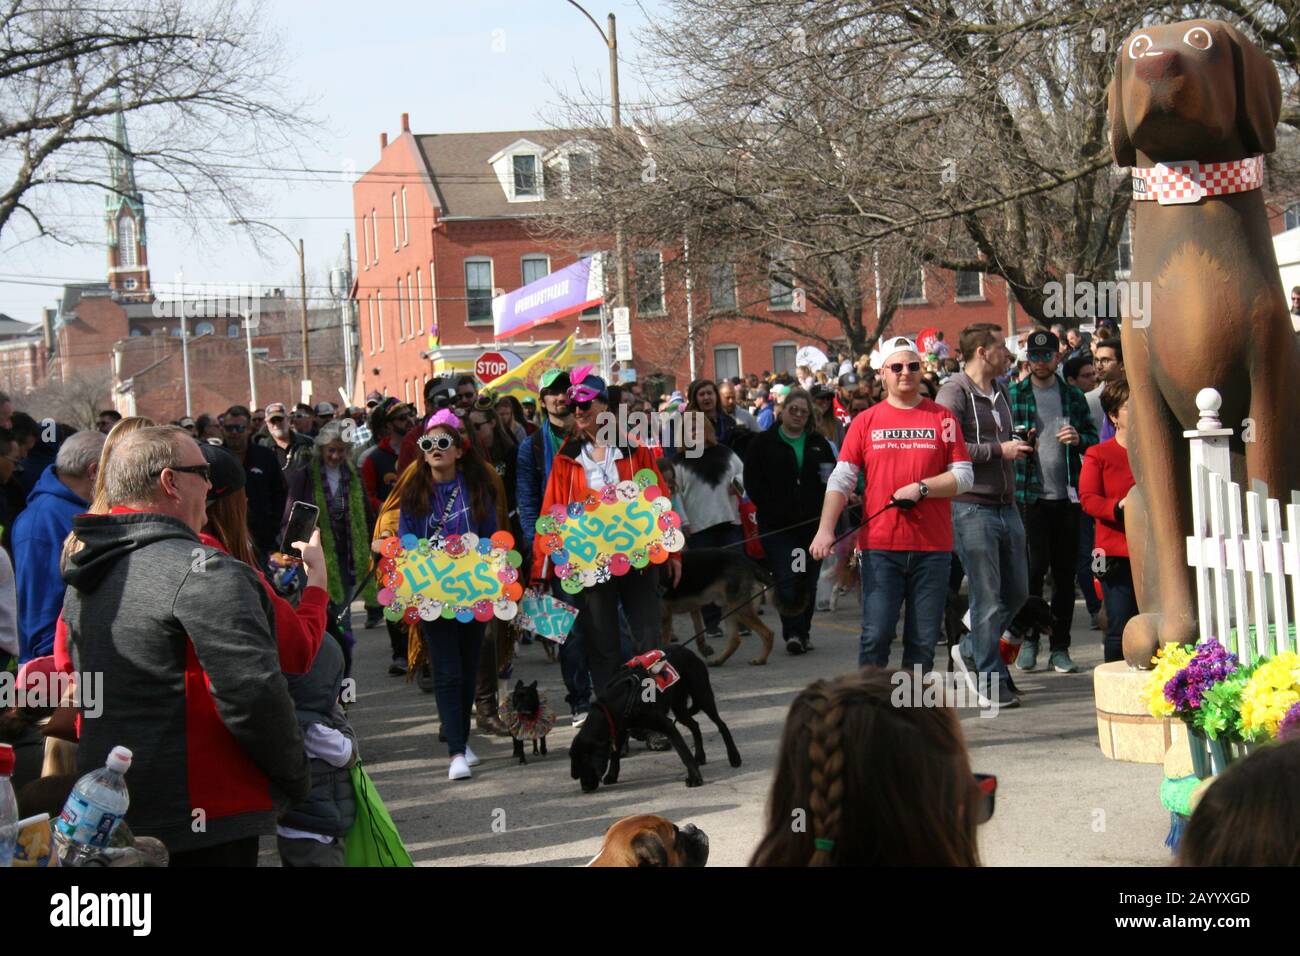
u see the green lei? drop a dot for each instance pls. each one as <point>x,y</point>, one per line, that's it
<point>360,533</point>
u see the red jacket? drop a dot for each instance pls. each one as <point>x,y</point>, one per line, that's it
<point>1103,483</point>
<point>298,631</point>
<point>568,483</point>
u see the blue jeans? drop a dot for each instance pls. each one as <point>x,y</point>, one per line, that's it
<point>725,535</point>
<point>990,540</point>
<point>792,564</point>
<point>454,649</point>
<point>1083,568</point>
<point>888,579</point>
<point>573,658</point>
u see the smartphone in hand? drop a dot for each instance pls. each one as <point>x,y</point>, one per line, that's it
<point>302,522</point>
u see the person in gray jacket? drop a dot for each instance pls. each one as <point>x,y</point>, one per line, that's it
<point>314,832</point>
<point>184,637</point>
<point>988,534</point>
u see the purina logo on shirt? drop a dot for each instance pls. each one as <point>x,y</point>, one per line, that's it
<point>903,434</point>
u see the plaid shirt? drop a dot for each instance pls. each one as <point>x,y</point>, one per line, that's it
<point>1024,412</point>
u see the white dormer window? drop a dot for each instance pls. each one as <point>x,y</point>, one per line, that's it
<point>525,171</point>
<point>518,168</point>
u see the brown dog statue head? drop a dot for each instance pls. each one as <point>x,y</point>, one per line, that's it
<point>648,840</point>
<point>1196,90</point>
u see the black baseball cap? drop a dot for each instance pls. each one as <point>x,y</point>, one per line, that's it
<point>227,472</point>
<point>1041,340</point>
<point>849,379</point>
<point>822,391</point>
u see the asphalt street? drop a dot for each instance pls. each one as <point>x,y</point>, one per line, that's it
<point>1059,802</point>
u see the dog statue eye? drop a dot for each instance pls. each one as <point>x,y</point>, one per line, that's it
<point>1139,45</point>
<point>1198,38</point>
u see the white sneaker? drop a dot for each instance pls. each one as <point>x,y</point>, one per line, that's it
<point>471,758</point>
<point>459,769</point>
<point>579,719</point>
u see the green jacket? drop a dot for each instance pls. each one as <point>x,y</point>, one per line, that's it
<point>1024,411</point>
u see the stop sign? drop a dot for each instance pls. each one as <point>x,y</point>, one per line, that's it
<point>490,365</point>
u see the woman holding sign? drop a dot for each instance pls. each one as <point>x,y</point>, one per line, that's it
<point>450,491</point>
<point>594,459</point>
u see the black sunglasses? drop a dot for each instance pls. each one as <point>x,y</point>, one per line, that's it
<point>897,367</point>
<point>277,420</point>
<point>987,785</point>
<point>440,442</point>
<point>1041,356</point>
<point>234,429</point>
<point>203,471</point>
<point>582,406</point>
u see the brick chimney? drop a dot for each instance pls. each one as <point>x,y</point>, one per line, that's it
<point>383,140</point>
<point>406,122</point>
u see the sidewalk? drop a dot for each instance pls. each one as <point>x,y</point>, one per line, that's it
<point>1060,802</point>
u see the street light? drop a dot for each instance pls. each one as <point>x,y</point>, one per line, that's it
<point>620,254</point>
<point>302,279</point>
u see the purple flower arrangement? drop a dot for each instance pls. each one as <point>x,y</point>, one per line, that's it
<point>1186,689</point>
<point>1289,728</point>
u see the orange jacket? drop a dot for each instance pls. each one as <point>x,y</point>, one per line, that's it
<point>568,483</point>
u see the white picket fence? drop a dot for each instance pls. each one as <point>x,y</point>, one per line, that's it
<point>1241,551</point>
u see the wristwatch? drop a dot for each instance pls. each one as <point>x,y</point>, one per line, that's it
<point>925,489</point>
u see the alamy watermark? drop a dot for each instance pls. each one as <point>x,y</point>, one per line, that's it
<point>1077,298</point>
<point>919,688</point>
<point>241,300</point>
<point>44,689</point>
<point>684,430</point>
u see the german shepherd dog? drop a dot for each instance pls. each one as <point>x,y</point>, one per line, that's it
<point>728,578</point>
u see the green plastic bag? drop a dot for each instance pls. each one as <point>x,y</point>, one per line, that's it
<point>373,839</point>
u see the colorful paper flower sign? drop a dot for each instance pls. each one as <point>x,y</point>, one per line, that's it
<point>462,577</point>
<point>626,525</point>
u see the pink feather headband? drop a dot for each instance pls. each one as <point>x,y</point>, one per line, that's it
<point>444,416</point>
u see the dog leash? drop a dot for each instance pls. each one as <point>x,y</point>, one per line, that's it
<point>902,504</point>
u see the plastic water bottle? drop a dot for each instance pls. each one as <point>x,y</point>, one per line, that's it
<point>8,807</point>
<point>95,807</point>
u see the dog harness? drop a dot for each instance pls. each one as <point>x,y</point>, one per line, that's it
<point>1189,181</point>
<point>656,665</point>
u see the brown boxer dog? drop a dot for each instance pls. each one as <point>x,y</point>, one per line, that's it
<point>647,840</point>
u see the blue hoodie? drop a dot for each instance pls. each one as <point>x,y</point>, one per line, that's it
<point>38,543</point>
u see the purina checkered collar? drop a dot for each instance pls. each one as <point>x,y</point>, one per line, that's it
<point>1189,181</point>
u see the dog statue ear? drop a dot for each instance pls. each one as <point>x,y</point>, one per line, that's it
<point>649,850</point>
<point>1259,94</point>
<point>1120,144</point>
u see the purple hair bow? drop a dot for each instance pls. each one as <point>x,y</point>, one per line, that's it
<point>444,416</point>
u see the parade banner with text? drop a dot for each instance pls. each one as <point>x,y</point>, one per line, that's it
<point>553,297</point>
<point>610,532</point>
<point>461,576</point>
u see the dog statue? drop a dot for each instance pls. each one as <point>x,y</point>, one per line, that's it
<point>640,696</point>
<point>1193,108</point>
<point>527,716</point>
<point>647,840</point>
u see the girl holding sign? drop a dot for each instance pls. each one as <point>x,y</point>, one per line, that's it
<point>450,491</point>
<point>587,462</point>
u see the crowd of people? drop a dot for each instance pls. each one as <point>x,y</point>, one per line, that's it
<point>152,554</point>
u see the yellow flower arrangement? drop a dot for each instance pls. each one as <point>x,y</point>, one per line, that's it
<point>1272,690</point>
<point>1169,660</point>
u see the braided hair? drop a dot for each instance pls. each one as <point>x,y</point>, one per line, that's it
<point>864,778</point>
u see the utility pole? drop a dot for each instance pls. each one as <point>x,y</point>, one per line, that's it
<point>302,285</point>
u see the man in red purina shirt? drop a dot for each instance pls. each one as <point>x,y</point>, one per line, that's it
<point>912,450</point>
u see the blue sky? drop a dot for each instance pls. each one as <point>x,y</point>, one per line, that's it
<point>454,65</point>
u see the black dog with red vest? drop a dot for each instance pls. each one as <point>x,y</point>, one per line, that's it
<point>640,696</point>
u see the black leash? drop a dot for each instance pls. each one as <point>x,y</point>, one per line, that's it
<point>903,504</point>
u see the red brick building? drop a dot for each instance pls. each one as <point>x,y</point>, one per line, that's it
<point>24,354</point>
<point>442,222</point>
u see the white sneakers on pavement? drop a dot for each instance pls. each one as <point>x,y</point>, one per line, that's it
<point>471,758</point>
<point>459,769</point>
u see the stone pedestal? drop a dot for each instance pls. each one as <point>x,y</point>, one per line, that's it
<point>1125,730</point>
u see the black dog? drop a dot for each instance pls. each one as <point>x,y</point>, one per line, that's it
<point>528,717</point>
<point>1033,620</point>
<point>632,701</point>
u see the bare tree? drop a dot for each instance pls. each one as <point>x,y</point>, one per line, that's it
<point>199,83</point>
<point>75,402</point>
<point>834,136</point>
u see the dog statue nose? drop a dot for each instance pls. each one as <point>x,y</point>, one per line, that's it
<point>1159,65</point>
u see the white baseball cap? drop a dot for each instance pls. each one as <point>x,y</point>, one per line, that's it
<point>890,347</point>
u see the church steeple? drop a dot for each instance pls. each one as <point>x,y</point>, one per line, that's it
<point>128,261</point>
